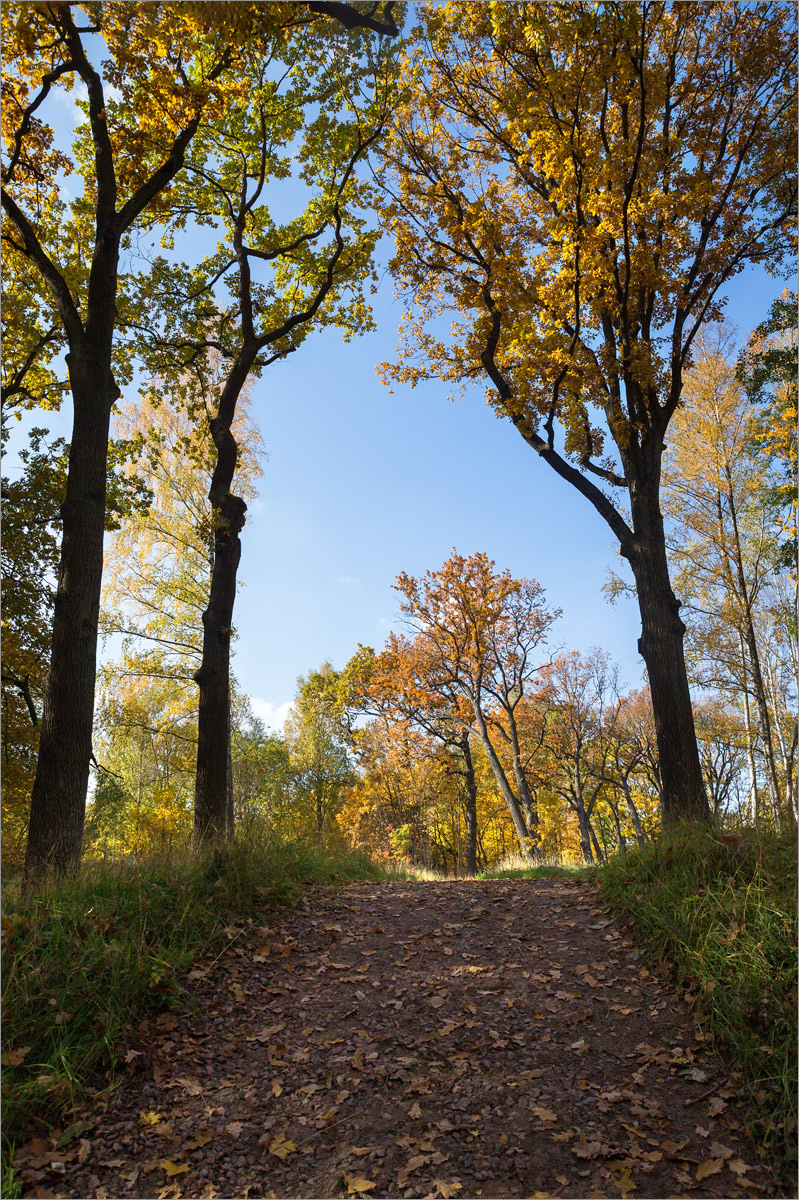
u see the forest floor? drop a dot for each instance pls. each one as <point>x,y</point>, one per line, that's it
<point>460,1039</point>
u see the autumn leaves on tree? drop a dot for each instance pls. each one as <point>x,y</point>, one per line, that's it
<point>575,185</point>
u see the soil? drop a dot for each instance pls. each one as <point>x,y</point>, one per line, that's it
<point>449,1039</point>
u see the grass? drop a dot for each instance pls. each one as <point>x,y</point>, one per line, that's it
<point>721,911</point>
<point>516,867</point>
<point>85,961</point>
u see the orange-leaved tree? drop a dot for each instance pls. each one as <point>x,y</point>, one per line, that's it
<point>401,685</point>
<point>577,183</point>
<point>478,634</point>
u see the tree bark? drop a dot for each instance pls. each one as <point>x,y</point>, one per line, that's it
<point>508,796</point>
<point>471,807</point>
<point>661,646</point>
<point>58,798</point>
<point>750,741</point>
<point>213,676</point>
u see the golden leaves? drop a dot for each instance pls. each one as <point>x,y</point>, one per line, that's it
<point>172,1168</point>
<point>281,1146</point>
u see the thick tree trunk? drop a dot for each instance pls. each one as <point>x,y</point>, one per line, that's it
<point>471,807</point>
<point>58,799</point>
<point>213,677</point>
<point>661,647</point>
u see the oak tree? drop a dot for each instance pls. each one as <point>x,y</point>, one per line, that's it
<point>576,184</point>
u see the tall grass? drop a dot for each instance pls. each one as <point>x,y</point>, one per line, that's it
<point>84,961</point>
<point>722,911</point>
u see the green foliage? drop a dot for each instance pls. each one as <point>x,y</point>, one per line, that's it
<point>85,960</point>
<point>767,370</point>
<point>721,910</point>
<point>316,738</point>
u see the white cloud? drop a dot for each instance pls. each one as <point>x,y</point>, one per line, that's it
<point>348,579</point>
<point>272,715</point>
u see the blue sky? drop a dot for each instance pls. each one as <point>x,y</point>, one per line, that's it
<point>361,484</point>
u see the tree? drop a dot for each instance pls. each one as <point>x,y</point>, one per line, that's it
<point>318,752</point>
<point>172,67</point>
<point>578,718</point>
<point>392,687</point>
<point>285,280</point>
<point>723,538</point>
<point>767,370</point>
<point>263,777</point>
<point>577,183</point>
<point>157,575</point>
<point>473,658</point>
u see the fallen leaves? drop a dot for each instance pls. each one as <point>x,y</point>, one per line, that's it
<point>710,1166</point>
<point>15,1058</point>
<point>341,1047</point>
<point>281,1146</point>
<point>172,1168</point>
<point>544,1114</point>
<point>357,1185</point>
<point>446,1190</point>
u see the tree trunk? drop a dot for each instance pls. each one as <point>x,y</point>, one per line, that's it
<point>522,790</point>
<point>213,677</point>
<point>229,807</point>
<point>601,856</point>
<point>750,741</point>
<point>471,807</point>
<point>58,798</point>
<point>508,796</point>
<point>683,794</point>
<point>764,721</point>
<point>750,641</point>
<point>635,816</point>
<point>585,832</point>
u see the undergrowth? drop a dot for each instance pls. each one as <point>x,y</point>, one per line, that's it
<point>86,960</point>
<point>721,911</point>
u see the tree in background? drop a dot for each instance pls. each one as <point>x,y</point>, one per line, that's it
<point>318,752</point>
<point>157,578</point>
<point>724,540</point>
<point>767,370</point>
<point>400,685</point>
<point>577,183</point>
<point>477,637</point>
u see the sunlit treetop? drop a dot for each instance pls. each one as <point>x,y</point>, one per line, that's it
<point>576,183</point>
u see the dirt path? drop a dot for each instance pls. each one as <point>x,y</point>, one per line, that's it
<point>493,1039</point>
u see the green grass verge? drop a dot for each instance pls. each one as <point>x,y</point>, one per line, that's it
<point>516,867</point>
<point>85,961</point>
<point>722,913</point>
